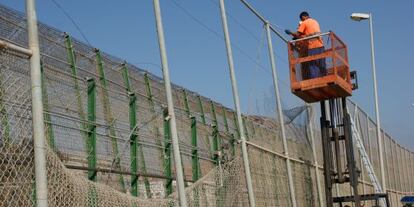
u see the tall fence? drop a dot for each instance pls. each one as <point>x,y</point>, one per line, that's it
<point>109,139</point>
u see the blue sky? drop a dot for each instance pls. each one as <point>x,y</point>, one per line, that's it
<point>197,57</point>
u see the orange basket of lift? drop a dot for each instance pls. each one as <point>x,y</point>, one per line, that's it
<point>319,74</point>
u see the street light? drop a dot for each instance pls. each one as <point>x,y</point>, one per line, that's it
<point>360,17</point>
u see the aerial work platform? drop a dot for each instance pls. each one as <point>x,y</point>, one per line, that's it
<point>321,76</point>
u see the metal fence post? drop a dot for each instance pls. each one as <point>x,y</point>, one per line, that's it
<point>395,164</point>
<point>91,142</point>
<point>50,134</point>
<point>387,184</point>
<point>406,163</point>
<point>196,170</point>
<point>315,156</point>
<point>91,129</point>
<point>167,154</point>
<point>171,113</point>
<point>133,143</point>
<point>237,106</point>
<point>152,110</point>
<point>134,136</point>
<point>37,107</point>
<point>226,126</point>
<point>280,114</point>
<point>412,170</point>
<point>403,165</point>
<point>409,170</point>
<point>246,131</point>
<point>215,135</point>
<point>186,105</point>
<point>236,126</point>
<point>194,152</point>
<point>74,72</point>
<point>200,104</point>
<point>397,152</point>
<point>108,113</point>
<point>203,120</point>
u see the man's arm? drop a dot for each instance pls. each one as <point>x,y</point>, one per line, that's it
<point>299,33</point>
<point>296,35</point>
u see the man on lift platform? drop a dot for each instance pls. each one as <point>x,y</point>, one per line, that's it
<point>309,27</point>
<point>307,54</point>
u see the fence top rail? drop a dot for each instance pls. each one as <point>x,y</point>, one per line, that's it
<point>310,37</point>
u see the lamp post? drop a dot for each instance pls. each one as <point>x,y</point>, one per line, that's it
<point>360,17</point>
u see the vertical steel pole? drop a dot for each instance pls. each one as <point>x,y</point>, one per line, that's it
<point>196,170</point>
<point>91,141</point>
<point>397,149</point>
<point>407,169</point>
<point>133,143</point>
<point>110,120</point>
<point>403,169</point>
<point>412,170</point>
<point>171,114</point>
<point>395,160</point>
<point>156,130</point>
<point>387,164</point>
<point>37,107</point>
<point>215,135</point>
<point>237,106</point>
<point>134,134</point>
<point>280,114</point>
<point>245,127</point>
<point>393,163</point>
<point>406,163</point>
<point>48,119</point>
<point>194,151</point>
<point>377,115</point>
<point>74,73</point>
<point>369,137</point>
<point>200,104</point>
<point>236,125</point>
<point>402,174</point>
<point>186,105</point>
<point>315,156</point>
<point>91,129</point>
<point>203,120</point>
<point>167,154</point>
<point>226,125</point>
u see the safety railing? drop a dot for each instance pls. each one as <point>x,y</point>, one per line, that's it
<point>320,63</point>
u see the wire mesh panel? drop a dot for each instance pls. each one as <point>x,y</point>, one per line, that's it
<point>67,66</point>
<point>16,144</point>
<point>269,178</point>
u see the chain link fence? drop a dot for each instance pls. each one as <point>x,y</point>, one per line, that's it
<point>99,155</point>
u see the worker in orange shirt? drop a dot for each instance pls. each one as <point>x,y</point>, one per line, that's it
<point>302,49</point>
<point>310,27</point>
